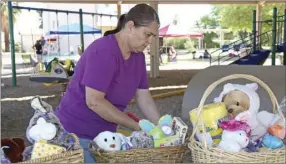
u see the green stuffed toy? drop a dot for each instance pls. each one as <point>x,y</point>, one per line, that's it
<point>163,129</point>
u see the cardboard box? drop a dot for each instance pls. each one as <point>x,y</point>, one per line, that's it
<point>167,141</point>
<point>180,128</point>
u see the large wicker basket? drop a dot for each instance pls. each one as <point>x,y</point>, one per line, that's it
<point>75,156</point>
<point>171,154</point>
<point>202,153</point>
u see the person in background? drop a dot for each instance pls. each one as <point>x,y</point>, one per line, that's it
<point>43,41</point>
<point>109,74</point>
<point>172,54</point>
<point>39,50</point>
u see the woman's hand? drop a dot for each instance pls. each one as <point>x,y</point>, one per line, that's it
<point>147,105</point>
<point>96,102</point>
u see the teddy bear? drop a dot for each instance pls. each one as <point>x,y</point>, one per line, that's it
<point>13,149</point>
<point>243,104</point>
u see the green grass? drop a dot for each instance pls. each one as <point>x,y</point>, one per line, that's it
<point>26,58</point>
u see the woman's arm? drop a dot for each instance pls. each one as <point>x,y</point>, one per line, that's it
<point>147,105</point>
<point>96,102</point>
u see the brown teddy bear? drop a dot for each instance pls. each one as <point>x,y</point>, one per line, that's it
<point>236,102</point>
<point>243,104</point>
<point>14,150</point>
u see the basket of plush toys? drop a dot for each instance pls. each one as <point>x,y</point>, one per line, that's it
<point>164,143</point>
<point>50,142</point>
<point>234,129</point>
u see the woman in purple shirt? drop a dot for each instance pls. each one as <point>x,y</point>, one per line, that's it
<point>108,75</point>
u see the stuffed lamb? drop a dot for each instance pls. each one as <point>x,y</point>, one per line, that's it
<point>108,141</point>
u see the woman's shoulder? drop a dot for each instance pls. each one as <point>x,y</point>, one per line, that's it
<point>100,49</point>
<point>103,44</point>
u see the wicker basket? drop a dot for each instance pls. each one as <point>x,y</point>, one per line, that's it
<point>75,156</point>
<point>201,153</point>
<point>171,154</point>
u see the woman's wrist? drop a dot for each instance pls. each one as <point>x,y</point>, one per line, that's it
<point>136,126</point>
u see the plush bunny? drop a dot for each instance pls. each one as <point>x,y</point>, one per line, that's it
<point>44,124</point>
<point>108,141</point>
<point>37,133</point>
<point>233,141</point>
<point>235,135</point>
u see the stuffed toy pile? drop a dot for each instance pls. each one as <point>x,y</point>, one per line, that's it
<point>44,132</point>
<point>239,124</point>
<point>169,132</point>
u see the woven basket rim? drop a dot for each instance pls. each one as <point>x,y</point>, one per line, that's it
<point>55,156</point>
<point>172,154</point>
<point>64,154</point>
<point>136,150</point>
<point>194,142</point>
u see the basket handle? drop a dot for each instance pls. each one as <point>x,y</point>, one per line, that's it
<point>72,135</point>
<point>223,79</point>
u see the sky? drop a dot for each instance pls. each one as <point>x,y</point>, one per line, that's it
<point>187,15</point>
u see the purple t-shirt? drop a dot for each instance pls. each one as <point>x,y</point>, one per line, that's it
<point>101,67</point>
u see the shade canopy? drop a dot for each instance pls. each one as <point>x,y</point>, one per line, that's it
<point>176,31</point>
<point>72,29</point>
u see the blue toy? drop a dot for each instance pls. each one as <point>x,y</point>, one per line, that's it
<point>272,142</point>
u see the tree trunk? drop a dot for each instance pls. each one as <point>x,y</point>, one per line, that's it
<point>6,40</point>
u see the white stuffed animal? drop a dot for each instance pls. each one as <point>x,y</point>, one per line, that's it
<point>108,141</point>
<point>233,141</point>
<point>42,130</point>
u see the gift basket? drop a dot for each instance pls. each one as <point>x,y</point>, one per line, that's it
<point>50,143</point>
<point>164,143</point>
<point>233,129</point>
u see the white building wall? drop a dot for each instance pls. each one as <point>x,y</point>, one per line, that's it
<point>26,28</point>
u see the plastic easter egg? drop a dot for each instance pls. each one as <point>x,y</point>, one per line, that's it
<point>272,142</point>
<point>277,130</point>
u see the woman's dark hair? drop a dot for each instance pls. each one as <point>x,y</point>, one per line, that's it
<point>141,14</point>
<point>118,26</point>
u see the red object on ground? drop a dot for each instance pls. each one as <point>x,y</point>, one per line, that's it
<point>133,116</point>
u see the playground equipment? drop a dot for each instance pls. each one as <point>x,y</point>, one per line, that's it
<point>53,73</point>
<point>11,28</point>
<point>249,50</point>
<point>243,51</point>
<point>278,34</point>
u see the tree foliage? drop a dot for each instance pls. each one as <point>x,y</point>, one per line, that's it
<point>239,17</point>
<point>5,22</point>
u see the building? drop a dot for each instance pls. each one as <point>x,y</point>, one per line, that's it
<point>26,34</point>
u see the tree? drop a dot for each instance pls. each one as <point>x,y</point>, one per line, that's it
<point>40,19</point>
<point>239,17</point>
<point>5,22</point>
<point>208,22</point>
